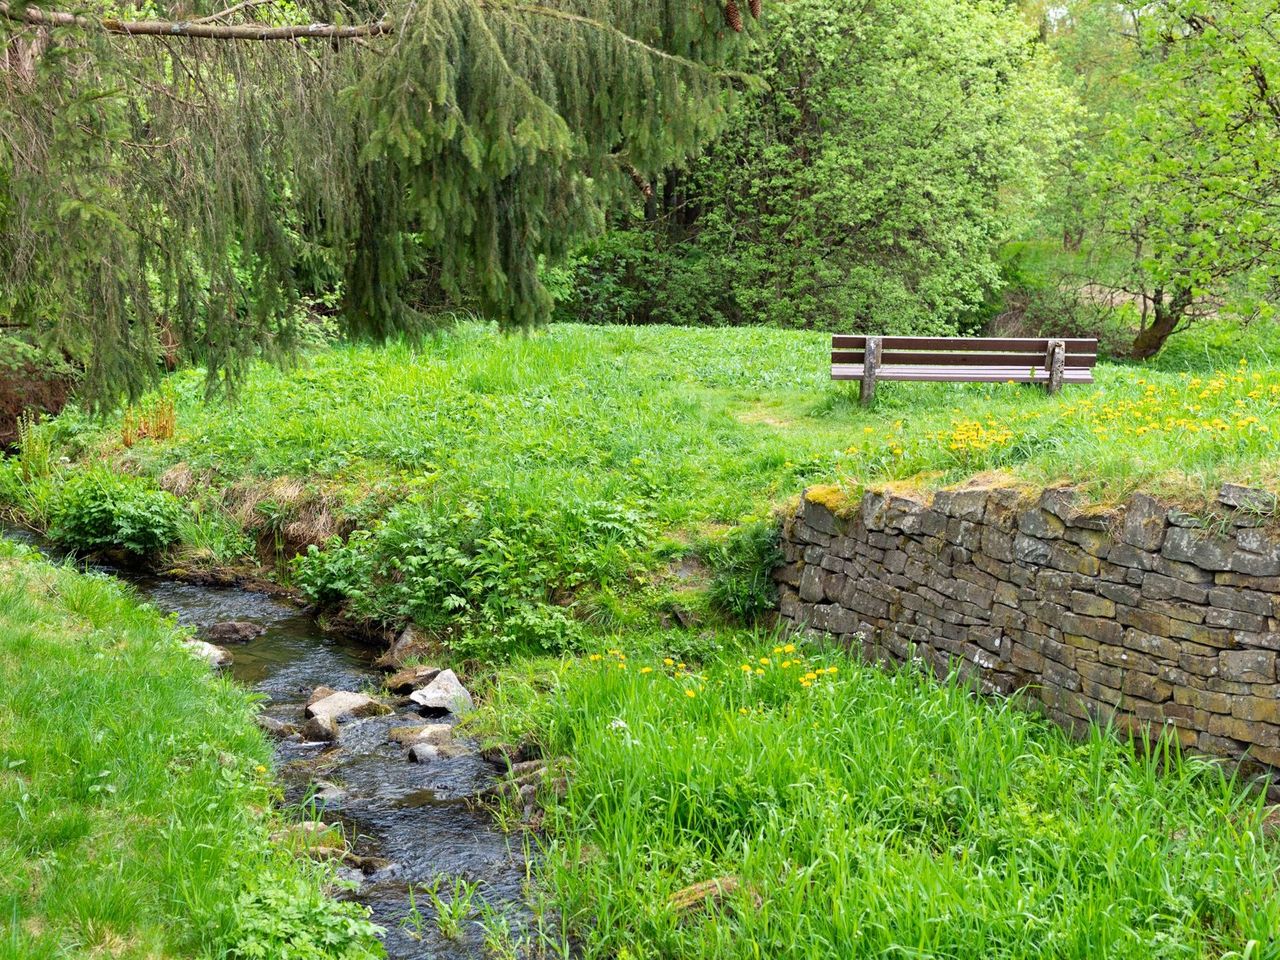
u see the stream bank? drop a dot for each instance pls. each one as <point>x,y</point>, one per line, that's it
<point>410,825</point>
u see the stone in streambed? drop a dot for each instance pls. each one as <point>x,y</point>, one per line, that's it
<point>233,631</point>
<point>320,730</point>
<point>276,728</point>
<point>411,678</point>
<point>435,733</point>
<point>445,693</point>
<point>217,657</point>
<point>343,705</point>
<point>410,645</point>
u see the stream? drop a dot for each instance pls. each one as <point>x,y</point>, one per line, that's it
<point>411,820</point>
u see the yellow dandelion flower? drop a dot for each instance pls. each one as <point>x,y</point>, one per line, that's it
<point>646,669</point>
<point>690,693</point>
<point>668,661</point>
<point>789,648</point>
<point>595,656</point>
<point>764,661</point>
<point>746,668</point>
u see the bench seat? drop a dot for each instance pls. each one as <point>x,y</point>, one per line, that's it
<point>889,371</point>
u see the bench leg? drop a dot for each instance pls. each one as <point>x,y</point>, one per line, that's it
<point>1055,362</point>
<point>871,363</point>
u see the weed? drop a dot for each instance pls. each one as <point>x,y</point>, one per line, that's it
<point>453,912</point>
<point>98,510</point>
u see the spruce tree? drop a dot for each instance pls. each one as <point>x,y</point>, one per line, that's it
<point>171,190</point>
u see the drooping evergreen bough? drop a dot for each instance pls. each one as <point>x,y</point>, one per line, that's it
<point>172,191</point>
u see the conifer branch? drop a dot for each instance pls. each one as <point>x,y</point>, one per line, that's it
<point>194,28</point>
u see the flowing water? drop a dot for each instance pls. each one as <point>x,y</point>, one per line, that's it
<point>412,820</point>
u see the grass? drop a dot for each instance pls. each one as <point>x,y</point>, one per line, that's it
<point>874,814</point>
<point>135,795</point>
<point>514,493</point>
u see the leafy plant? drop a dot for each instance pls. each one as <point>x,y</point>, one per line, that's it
<point>453,912</point>
<point>284,917</point>
<point>742,562</point>
<point>98,510</point>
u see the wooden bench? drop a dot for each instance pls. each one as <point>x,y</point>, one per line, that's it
<point>1053,362</point>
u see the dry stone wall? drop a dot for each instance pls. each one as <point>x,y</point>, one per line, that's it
<point>1142,614</point>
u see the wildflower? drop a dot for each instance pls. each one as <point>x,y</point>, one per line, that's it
<point>679,666</point>
<point>743,710</point>
<point>690,693</point>
<point>777,649</point>
<point>595,656</point>
<point>260,768</point>
<point>784,664</point>
<point>789,648</point>
<point>646,669</point>
<point>668,661</point>
<point>746,668</point>
<point>764,661</point>
<point>759,672</point>
<point>622,666</point>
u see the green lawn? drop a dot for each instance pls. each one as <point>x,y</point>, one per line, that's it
<point>873,814</point>
<point>135,793</point>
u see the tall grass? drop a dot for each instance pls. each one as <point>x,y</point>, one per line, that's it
<point>135,792</point>
<point>869,814</point>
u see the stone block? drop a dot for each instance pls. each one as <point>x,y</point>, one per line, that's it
<point>1157,586</point>
<point>1036,522</point>
<point>1247,666</point>
<point>1144,523</point>
<point>1247,498</point>
<point>811,586</point>
<point>1091,605</point>
<point>1146,687</point>
<point>1246,731</point>
<point>965,503</point>
<point>1256,709</point>
<point>1204,550</point>
<point>1234,620</point>
<point>820,517</point>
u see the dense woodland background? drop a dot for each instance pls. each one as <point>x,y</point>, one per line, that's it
<point>892,166</point>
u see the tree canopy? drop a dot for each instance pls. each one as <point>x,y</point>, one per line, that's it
<point>178,186</point>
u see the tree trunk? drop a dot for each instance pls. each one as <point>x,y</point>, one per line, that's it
<point>1168,314</point>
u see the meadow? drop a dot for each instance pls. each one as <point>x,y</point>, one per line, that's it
<point>136,799</point>
<point>517,493</point>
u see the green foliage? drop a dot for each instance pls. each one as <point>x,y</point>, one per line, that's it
<point>869,813</point>
<point>97,510</point>
<point>525,493</point>
<point>284,915</point>
<point>136,792</point>
<point>500,573</point>
<point>1173,179</point>
<point>898,143</point>
<point>742,562</point>
<point>467,142</point>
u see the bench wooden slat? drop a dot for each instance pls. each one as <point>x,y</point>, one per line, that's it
<point>1078,345</point>
<point>963,359</point>
<point>961,374</point>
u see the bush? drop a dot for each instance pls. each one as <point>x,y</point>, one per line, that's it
<point>495,575</point>
<point>96,510</point>
<point>742,562</point>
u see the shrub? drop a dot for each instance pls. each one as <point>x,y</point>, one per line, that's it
<point>742,562</point>
<point>97,510</point>
<point>497,575</point>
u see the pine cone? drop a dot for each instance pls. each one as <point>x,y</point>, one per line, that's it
<point>754,7</point>
<point>733,16</point>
